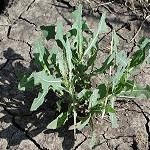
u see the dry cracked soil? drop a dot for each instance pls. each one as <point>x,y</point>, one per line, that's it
<point>20,129</point>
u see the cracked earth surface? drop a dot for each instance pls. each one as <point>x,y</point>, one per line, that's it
<point>21,129</point>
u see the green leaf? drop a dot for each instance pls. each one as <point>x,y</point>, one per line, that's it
<point>39,49</point>
<point>139,56</point>
<point>69,58</point>
<point>138,91</point>
<point>77,16</point>
<point>102,90</point>
<point>101,28</point>
<point>110,109</point>
<point>39,100</point>
<point>59,35</point>
<point>81,68</point>
<point>97,110</point>
<point>25,83</point>
<point>124,85</point>
<point>113,120</point>
<point>48,31</point>
<point>106,65</point>
<point>46,81</point>
<point>121,58</point>
<point>85,26</point>
<point>114,42</point>
<point>83,123</point>
<point>59,121</point>
<point>92,59</point>
<point>129,85</point>
<point>144,43</point>
<point>122,64</point>
<point>112,115</point>
<point>62,64</point>
<point>84,93</point>
<point>93,101</point>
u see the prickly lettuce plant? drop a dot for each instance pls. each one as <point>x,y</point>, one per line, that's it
<point>68,67</point>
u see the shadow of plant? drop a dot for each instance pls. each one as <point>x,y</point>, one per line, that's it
<point>17,121</point>
<point>3,5</point>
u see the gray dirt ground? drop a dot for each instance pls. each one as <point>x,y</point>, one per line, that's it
<point>22,130</point>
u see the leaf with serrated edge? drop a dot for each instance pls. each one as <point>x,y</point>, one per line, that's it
<point>101,28</point>
<point>77,16</point>
<point>120,59</point>
<point>69,58</point>
<point>59,33</point>
<point>46,81</point>
<point>62,64</point>
<point>39,49</point>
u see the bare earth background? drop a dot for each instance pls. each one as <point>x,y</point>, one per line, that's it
<point>21,129</point>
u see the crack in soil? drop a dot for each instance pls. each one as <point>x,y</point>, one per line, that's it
<point>134,144</point>
<point>17,40</point>
<point>26,133</point>
<point>66,3</point>
<point>85,138</point>
<point>146,124</point>
<point>26,20</point>
<point>30,5</point>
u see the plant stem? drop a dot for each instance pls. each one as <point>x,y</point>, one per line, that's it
<point>71,90</point>
<point>75,121</point>
<point>104,110</point>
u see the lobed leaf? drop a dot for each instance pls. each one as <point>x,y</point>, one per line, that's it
<point>62,64</point>
<point>59,35</point>
<point>39,49</point>
<point>77,16</point>
<point>46,83</point>
<point>121,60</point>
<point>69,59</point>
<point>101,28</point>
